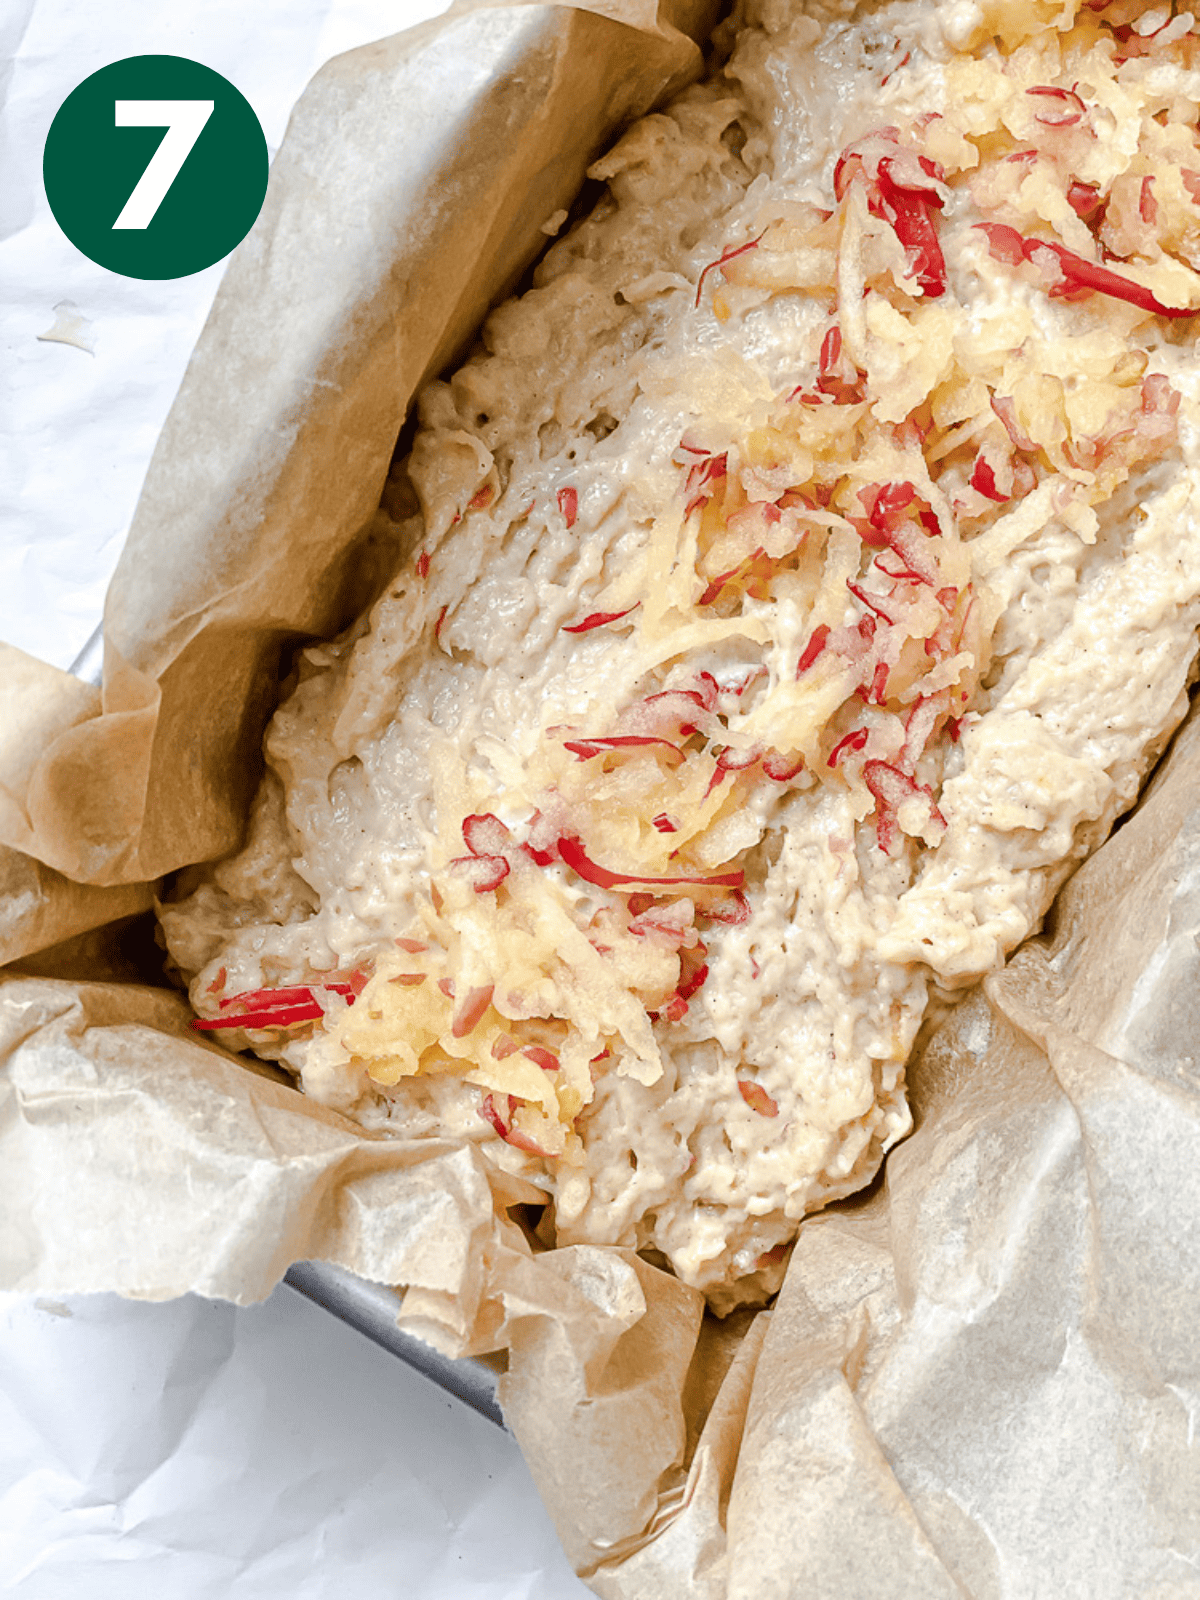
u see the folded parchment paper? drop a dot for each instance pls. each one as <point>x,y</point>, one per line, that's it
<point>981,1378</point>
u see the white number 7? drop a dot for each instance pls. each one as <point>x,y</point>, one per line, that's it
<point>183,120</point>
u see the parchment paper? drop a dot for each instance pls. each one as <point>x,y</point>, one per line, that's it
<point>410,190</point>
<point>980,1379</point>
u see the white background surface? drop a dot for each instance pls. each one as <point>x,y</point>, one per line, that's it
<point>194,1450</point>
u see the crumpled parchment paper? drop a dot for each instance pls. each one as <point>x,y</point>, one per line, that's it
<point>980,1378</point>
<point>410,190</point>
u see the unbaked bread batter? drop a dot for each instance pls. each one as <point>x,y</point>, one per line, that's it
<point>807,570</point>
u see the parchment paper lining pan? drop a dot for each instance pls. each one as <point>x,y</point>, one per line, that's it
<point>979,1379</point>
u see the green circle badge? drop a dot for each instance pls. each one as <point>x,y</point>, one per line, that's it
<point>155,167</point>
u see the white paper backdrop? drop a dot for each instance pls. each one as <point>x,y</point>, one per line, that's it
<point>191,1449</point>
<point>195,1451</point>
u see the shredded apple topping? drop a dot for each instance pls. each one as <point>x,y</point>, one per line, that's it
<point>817,610</point>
